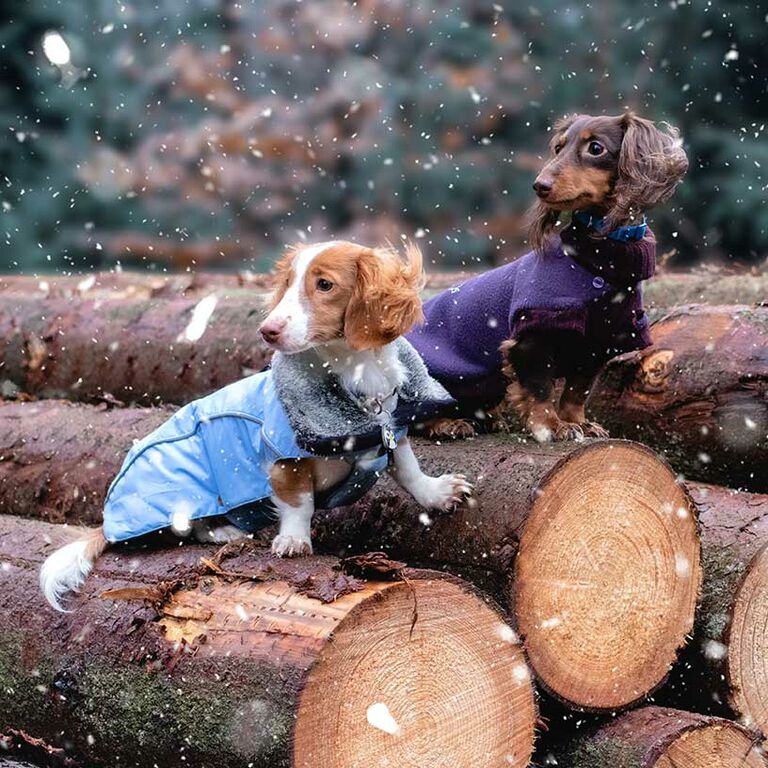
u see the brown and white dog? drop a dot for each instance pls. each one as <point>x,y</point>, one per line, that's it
<point>347,305</point>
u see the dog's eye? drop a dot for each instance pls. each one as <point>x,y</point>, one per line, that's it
<point>595,148</point>
<point>558,148</point>
<point>324,285</point>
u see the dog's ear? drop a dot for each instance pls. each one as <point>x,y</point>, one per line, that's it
<point>386,301</point>
<point>651,164</point>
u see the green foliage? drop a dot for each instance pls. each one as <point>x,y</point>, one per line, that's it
<point>243,126</point>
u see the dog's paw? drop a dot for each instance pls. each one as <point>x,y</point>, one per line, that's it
<point>567,430</point>
<point>444,492</point>
<point>454,429</point>
<point>291,546</point>
<point>592,429</point>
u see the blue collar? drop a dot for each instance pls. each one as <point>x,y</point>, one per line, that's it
<point>633,232</point>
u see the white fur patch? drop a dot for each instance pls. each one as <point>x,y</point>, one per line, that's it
<point>293,308</point>
<point>65,571</point>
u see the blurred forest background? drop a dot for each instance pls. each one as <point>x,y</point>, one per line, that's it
<point>210,132</point>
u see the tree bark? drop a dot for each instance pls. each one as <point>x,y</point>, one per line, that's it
<point>655,737</point>
<point>699,394</point>
<point>242,661</point>
<point>135,350</point>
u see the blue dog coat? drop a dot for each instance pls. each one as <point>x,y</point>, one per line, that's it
<point>212,457</point>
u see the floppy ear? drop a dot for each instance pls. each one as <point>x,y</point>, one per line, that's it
<point>651,165</point>
<point>386,300</point>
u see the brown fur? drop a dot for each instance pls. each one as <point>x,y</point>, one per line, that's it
<point>291,479</point>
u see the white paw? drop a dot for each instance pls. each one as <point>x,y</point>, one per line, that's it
<point>291,546</point>
<point>444,492</point>
<point>216,534</point>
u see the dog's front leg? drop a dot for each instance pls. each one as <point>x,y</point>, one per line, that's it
<point>294,499</point>
<point>443,492</point>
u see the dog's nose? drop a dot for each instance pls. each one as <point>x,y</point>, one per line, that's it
<point>271,330</point>
<point>542,187</point>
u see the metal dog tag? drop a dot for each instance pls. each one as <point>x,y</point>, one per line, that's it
<point>388,438</point>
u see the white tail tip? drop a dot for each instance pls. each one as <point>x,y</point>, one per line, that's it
<point>65,571</point>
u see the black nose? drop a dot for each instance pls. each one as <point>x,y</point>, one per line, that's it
<point>542,188</point>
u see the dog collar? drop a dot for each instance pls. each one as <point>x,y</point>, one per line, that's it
<point>631,232</point>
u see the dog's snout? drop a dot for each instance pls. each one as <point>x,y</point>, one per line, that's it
<point>271,329</point>
<point>542,187</point>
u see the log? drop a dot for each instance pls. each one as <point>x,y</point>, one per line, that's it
<point>608,500</point>
<point>140,339</point>
<point>252,660</point>
<point>728,657</point>
<point>132,284</point>
<point>58,458</point>
<point>669,289</point>
<point>594,549</point>
<point>699,395</point>
<point>655,737</point>
<point>130,349</point>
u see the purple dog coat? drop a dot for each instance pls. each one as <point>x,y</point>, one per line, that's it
<point>578,283</point>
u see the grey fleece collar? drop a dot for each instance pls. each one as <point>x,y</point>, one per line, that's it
<point>321,410</point>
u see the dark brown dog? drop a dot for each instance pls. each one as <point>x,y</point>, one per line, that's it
<point>605,172</point>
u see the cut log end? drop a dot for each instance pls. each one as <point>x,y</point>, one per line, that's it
<point>655,737</point>
<point>453,687</point>
<point>722,744</point>
<point>748,645</point>
<point>607,575</point>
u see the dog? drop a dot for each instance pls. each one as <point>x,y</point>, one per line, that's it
<point>500,342</point>
<point>317,429</point>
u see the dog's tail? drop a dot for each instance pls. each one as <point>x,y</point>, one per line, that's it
<point>65,570</point>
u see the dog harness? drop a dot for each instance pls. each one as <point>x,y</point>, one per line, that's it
<point>578,283</point>
<point>212,457</point>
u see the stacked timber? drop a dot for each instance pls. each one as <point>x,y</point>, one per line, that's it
<point>599,555</point>
<point>699,395</point>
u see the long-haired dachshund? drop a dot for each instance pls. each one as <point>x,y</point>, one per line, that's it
<point>317,429</point>
<point>502,340</point>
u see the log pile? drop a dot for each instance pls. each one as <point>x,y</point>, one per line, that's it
<point>699,395</point>
<point>600,574</point>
